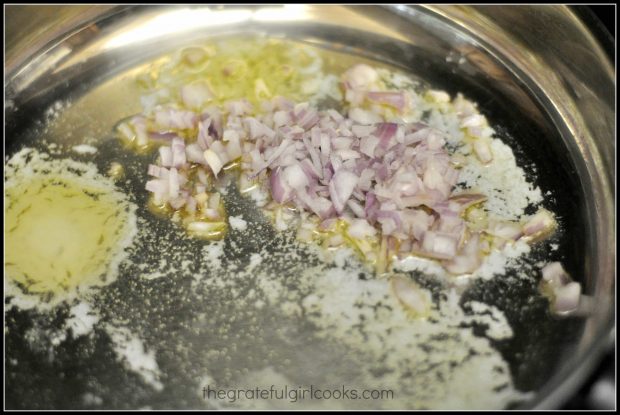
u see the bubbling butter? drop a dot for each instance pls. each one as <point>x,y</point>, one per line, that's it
<point>66,226</point>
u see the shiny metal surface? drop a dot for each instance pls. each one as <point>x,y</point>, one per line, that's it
<point>539,59</point>
<point>552,51</point>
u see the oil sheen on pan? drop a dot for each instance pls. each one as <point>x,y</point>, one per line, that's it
<point>278,216</point>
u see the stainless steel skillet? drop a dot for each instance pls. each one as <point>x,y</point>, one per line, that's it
<point>552,100</point>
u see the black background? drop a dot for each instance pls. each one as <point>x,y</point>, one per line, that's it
<point>606,14</point>
<point>601,20</point>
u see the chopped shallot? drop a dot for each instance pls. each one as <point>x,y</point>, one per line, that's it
<point>391,182</point>
<point>563,293</point>
<point>410,295</point>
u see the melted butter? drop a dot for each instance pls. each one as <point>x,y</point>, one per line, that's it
<point>116,171</point>
<point>236,68</point>
<point>368,249</point>
<point>60,234</point>
<point>196,224</point>
<point>251,68</point>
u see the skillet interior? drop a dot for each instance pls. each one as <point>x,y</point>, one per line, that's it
<point>539,346</point>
